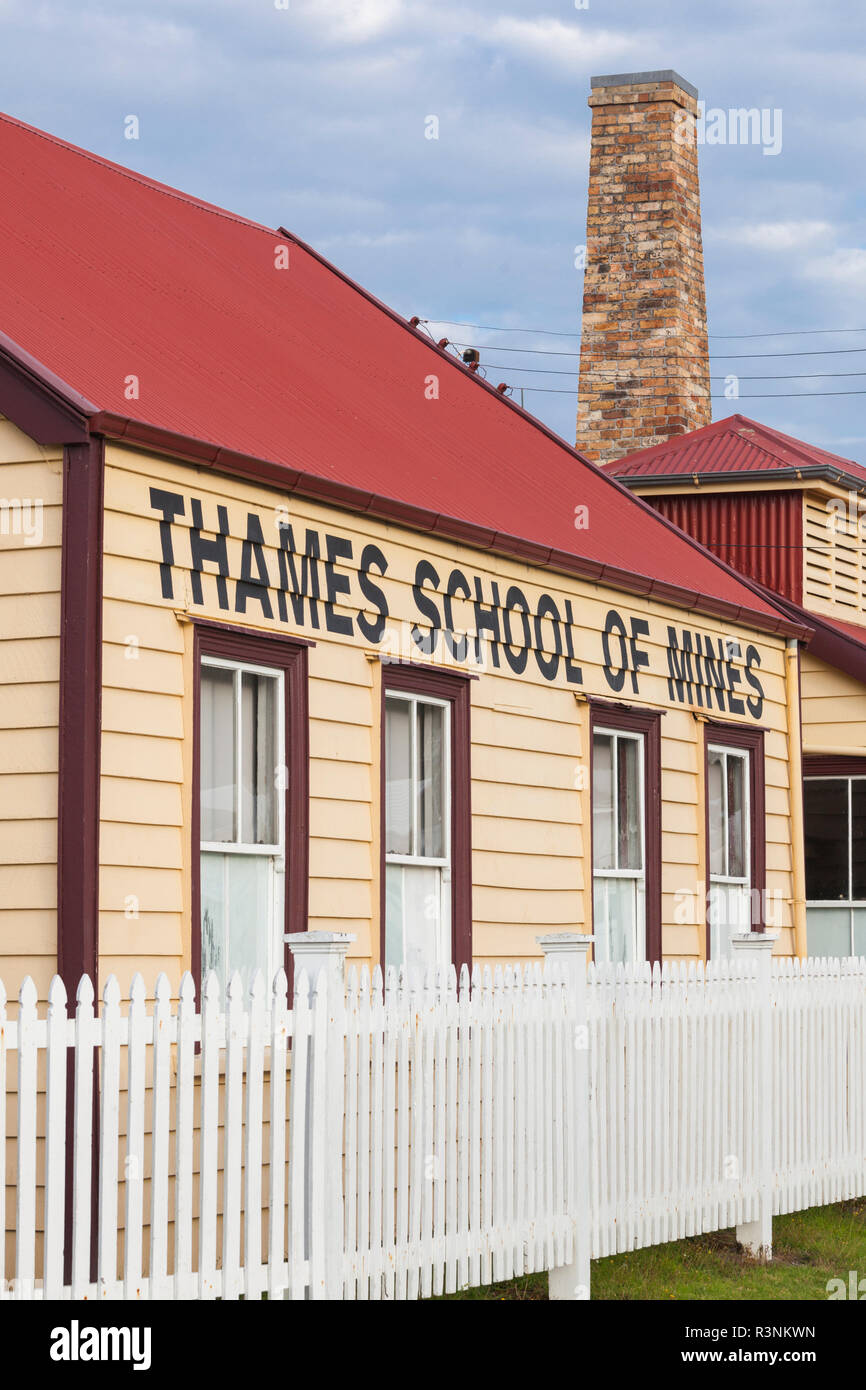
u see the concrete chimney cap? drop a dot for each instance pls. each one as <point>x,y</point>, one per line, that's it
<point>632,79</point>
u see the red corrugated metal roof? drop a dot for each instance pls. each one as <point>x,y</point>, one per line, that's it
<point>733,445</point>
<point>855,630</point>
<point>106,275</point>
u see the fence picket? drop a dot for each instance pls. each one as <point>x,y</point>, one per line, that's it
<point>55,1139</point>
<point>458,1105</point>
<point>109,1124</point>
<point>25,1246</point>
<point>134,1166</point>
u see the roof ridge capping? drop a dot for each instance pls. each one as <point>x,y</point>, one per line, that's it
<point>809,460</point>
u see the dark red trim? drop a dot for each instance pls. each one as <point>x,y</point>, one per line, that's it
<point>205,453</point>
<point>831,765</point>
<point>738,736</point>
<point>455,688</point>
<point>288,655</point>
<point>455,671</point>
<point>80,716</point>
<point>633,719</point>
<point>78,767</point>
<point>37,401</point>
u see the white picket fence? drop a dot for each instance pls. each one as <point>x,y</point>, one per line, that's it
<point>402,1138</point>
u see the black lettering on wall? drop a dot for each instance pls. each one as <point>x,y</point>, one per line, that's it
<point>457,584</point>
<point>714,664</point>
<point>755,702</point>
<point>305,589</point>
<point>336,583</point>
<point>639,658</point>
<point>170,505</point>
<point>426,642</point>
<point>487,620</point>
<point>573,673</point>
<point>548,666</point>
<point>515,601</point>
<point>213,552</point>
<point>614,626</point>
<point>733,677</point>
<point>679,668</point>
<point>373,629</point>
<point>250,585</point>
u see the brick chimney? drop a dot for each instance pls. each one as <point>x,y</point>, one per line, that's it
<point>644,367</point>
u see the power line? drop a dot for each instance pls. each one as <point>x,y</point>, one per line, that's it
<point>797,376</point>
<point>752,396</point>
<point>720,356</point>
<point>559,333</point>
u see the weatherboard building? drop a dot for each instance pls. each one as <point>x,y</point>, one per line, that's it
<point>319,631</point>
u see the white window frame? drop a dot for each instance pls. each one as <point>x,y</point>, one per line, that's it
<point>276,853</point>
<point>850,903</point>
<point>443,862</point>
<point>727,881</point>
<point>637,876</point>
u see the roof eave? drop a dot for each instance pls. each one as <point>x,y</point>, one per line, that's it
<point>292,481</point>
<point>798,473</point>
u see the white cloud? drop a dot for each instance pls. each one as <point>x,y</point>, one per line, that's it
<point>352,21</point>
<point>844,268</point>
<point>778,236</point>
<point>573,47</point>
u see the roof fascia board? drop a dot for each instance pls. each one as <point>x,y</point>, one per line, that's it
<point>290,481</point>
<point>804,473</point>
<point>38,402</point>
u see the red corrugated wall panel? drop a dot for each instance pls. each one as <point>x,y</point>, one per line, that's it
<point>758,533</point>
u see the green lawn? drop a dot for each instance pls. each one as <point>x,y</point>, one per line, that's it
<point>809,1248</point>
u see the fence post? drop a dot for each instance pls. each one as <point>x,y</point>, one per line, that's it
<point>322,954</point>
<point>569,951</point>
<point>757,1236</point>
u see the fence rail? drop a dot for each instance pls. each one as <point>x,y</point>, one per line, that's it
<point>401,1137</point>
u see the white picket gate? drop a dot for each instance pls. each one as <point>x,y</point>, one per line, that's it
<point>399,1138</point>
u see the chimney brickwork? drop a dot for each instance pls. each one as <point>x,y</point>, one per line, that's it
<point>644,366</point>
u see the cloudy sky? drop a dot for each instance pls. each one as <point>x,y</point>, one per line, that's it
<point>313,113</point>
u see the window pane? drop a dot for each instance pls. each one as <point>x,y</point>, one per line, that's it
<point>431,780</point>
<point>417,916</point>
<point>715,797</point>
<point>826,823</point>
<point>259,820</point>
<point>217,754</point>
<point>630,828</point>
<point>858,838</point>
<point>737,812</point>
<point>602,802</point>
<point>615,919</point>
<point>398,777</point>
<point>213,916</point>
<point>828,931</point>
<point>249,918</point>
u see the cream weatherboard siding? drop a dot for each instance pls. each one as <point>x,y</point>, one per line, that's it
<point>29,683</point>
<point>834,709</point>
<point>529,736</point>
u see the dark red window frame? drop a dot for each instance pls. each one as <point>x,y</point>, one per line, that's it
<point>288,655</point>
<point>455,688</point>
<point>631,719</point>
<point>737,736</point>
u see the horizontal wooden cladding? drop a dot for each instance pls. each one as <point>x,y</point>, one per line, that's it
<point>834,708</point>
<point>529,749</point>
<point>30,568</point>
<point>835,573</point>
<point>759,534</point>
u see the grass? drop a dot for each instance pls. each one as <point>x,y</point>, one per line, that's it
<point>809,1248</point>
